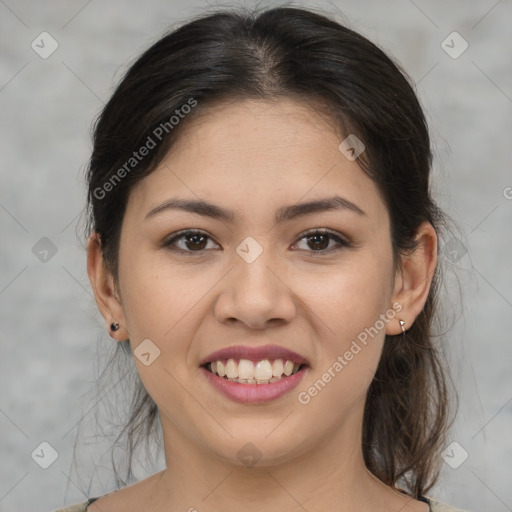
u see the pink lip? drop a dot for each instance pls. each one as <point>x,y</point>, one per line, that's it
<point>254,354</point>
<point>252,393</point>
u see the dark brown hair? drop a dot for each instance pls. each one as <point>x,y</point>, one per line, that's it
<point>288,52</point>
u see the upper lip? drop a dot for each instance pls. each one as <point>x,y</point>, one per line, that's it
<point>255,354</point>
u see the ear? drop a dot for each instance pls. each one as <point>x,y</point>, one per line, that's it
<point>107,297</point>
<point>413,279</point>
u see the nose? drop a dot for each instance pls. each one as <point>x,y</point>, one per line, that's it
<point>256,294</point>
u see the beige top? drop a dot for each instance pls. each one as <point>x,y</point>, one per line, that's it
<point>435,506</point>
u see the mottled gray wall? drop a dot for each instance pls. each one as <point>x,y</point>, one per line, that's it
<point>49,323</point>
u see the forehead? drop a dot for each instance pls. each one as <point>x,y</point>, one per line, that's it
<point>259,153</point>
<point>258,127</point>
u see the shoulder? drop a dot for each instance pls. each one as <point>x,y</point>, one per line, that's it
<point>437,506</point>
<point>78,507</point>
<point>133,496</point>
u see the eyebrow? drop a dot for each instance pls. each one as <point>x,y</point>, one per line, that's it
<point>286,213</point>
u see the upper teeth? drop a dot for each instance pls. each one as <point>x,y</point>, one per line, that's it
<point>248,370</point>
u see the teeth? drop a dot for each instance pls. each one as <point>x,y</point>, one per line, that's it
<point>248,372</point>
<point>246,369</point>
<point>288,368</point>
<point>262,370</point>
<point>277,368</point>
<point>231,369</point>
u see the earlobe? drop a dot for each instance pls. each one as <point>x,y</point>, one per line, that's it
<point>105,293</point>
<point>414,278</point>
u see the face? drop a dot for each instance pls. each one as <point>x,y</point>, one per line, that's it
<point>262,275</point>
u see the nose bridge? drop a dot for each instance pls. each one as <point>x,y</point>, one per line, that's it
<point>255,293</point>
<point>254,280</point>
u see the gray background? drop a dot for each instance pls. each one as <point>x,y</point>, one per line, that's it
<point>49,324</point>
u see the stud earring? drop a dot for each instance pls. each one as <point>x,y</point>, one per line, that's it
<point>402,323</point>
<point>114,326</point>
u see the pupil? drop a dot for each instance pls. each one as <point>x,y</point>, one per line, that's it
<point>316,241</point>
<point>196,237</point>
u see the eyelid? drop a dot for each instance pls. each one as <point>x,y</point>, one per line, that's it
<point>325,231</point>
<point>341,240</point>
<point>167,241</point>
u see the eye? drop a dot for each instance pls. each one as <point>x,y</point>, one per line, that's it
<point>191,240</point>
<point>319,240</point>
<point>196,241</point>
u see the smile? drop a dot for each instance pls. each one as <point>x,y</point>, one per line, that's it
<point>254,389</point>
<point>245,371</point>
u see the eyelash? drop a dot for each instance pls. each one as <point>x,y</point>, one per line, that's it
<point>342,243</point>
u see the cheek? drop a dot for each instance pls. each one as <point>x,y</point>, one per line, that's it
<point>154,299</point>
<point>162,306</point>
<point>349,303</point>
<point>349,298</point>
<point>166,305</point>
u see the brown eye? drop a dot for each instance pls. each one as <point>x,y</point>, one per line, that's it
<point>195,241</point>
<point>319,241</point>
<point>188,241</point>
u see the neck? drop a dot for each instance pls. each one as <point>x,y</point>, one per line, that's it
<point>329,476</point>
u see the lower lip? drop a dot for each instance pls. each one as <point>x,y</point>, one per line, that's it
<point>253,393</point>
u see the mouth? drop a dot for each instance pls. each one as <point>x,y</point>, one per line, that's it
<point>245,371</point>
<point>250,374</point>
<point>252,391</point>
<point>254,364</point>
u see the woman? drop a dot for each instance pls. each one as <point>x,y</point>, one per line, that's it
<point>263,239</point>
